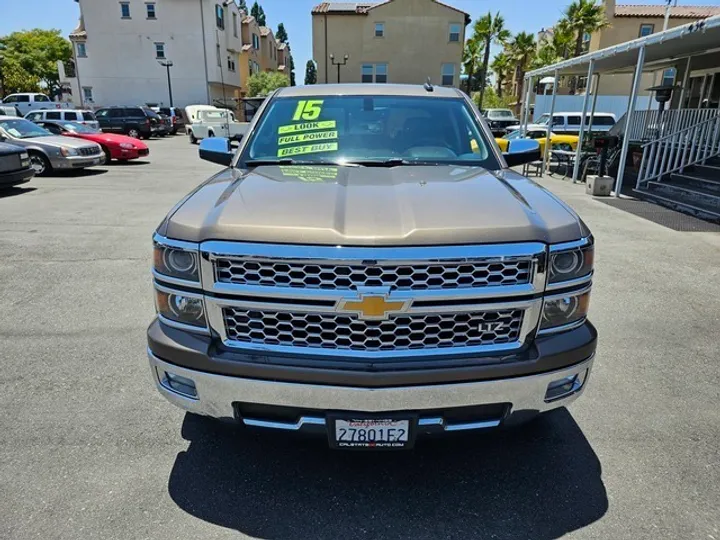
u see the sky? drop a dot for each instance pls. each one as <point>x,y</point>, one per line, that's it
<point>520,15</point>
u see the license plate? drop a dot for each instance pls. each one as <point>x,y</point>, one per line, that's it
<point>371,433</point>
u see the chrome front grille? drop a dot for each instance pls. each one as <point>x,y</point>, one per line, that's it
<point>10,162</point>
<point>399,333</point>
<point>401,277</point>
<point>89,150</point>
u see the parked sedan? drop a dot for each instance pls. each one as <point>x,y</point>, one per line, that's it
<point>48,152</point>
<point>119,147</point>
<point>14,166</point>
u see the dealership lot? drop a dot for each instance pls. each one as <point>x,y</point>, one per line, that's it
<point>88,448</point>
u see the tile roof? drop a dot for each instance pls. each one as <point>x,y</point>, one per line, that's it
<point>281,46</point>
<point>248,19</point>
<point>360,8</point>
<point>676,12</point>
<point>264,31</point>
<point>79,31</point>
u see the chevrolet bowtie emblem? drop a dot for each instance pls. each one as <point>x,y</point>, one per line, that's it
<point>373,306</point>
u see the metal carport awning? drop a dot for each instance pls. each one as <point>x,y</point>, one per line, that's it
<point>649,53</point>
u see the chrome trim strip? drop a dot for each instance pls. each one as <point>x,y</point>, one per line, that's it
<point>183,326</point>
<point>571,245</point>
<point>384,255</point>
<point>440,422</point>
<point>288,426</point>
<point>176,281</point>
<point>563,328</point>
<point>570,282</point>
<point>169,242</point>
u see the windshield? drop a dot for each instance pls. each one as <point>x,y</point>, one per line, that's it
<point>77,128</point>
<point>369,129</point>
<point>217,116</point>
<point>501,113</point>
<point>543,119</point>
<point>513,135</point>
<point>23,129</point>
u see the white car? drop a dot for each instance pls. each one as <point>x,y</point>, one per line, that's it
<point>30,101</point>
<point>67,115</point>
<point>216,123</point>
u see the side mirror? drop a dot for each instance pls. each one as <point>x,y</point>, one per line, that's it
<point>216,150</point>
<point>521,151</point>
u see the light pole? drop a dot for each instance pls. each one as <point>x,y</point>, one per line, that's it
<point>167,65</point>
<point>338,64</point>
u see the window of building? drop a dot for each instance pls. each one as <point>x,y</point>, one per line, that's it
<point>235,25</point>
<point>81,49</point>
<point>217,54</point>
<point>586,41</point>
<point>256,42</point>
<point>160,50</point>
<point>379,29</point>
<point>87,93</point>
<point>454,32</point>
<point>448,74</point>
<point>231,63</point>
<point>220,16</point>
<point>646,29</point>
<point>150,7</point>
<point>381,73</point>
<point>125,10</point>
<point>668,77</point>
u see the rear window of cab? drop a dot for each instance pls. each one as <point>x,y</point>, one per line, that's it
<point>337,128</point>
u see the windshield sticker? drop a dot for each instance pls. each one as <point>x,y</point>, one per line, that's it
<point>14,132</point>
<point>307,149</point>
<point>308,137</point>
<point>309,174</point>
<point>306,126</point>
<point>308,109</point>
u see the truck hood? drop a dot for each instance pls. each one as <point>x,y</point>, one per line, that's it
<point>406,205</point>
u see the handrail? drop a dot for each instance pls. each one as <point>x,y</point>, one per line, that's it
<point>679,149</point>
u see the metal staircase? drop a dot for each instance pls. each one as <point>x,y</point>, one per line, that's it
<point>681,169</point>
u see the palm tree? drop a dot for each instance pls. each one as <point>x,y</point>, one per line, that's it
<point>563,38</point>
<point>522,50</point>
<point>471,57</point>
<point>489,30</point>
<point>501,67</point>
<point>584,17</point>
<point>546,55</point>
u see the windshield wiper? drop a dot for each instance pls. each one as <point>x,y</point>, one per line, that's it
<point>290,161</point>
<point>390,162</point>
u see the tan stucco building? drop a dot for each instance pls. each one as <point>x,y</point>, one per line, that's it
<point>260,52</point>
<point>395,41</point>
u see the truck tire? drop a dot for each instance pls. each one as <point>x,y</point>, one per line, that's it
<point>40,163</point>
<point>193,140</point>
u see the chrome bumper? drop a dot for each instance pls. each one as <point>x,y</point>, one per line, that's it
<point>76,162</point>
<point>216,394</point>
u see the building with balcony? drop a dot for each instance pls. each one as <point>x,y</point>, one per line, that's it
<point>394,41</point>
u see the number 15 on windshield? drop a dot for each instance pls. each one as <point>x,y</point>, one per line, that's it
<point>308,110</point>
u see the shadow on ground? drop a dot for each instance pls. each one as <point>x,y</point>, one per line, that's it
<point>13,191</point>
<point>127,162</point>
<point>540,481</point>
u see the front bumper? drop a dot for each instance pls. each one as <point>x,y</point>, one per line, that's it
<point>14,178</point>
<point>76,162</point>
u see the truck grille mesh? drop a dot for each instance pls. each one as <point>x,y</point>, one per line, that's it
<point>339,276</point>
<point>345,332</point>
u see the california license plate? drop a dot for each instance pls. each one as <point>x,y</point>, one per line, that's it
<point>371,433</point>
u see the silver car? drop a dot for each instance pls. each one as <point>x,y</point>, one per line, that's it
<point>49,152</point>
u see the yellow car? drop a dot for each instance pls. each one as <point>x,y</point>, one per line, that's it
<point>557,142</point>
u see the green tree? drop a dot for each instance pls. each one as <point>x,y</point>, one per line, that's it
<point>584,17</point>
<point>310,73</point>
<point>488,30</point>
<point>471,60</point>
<point>15,79</point>
<point>292,71</point>
<point>563,39</point>
<point>492,100</point>
<point>522,51</point>
<point>263,83</point>
<point>242,5</point>
<point>37,53</point>
<point>502,67</point>
<point>281,34</point>
<point>259,13</point>
<point>546,55</point>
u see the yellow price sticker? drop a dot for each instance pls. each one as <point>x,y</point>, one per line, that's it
<point>307,149</point>
<point>308,109</point>
<point>308,137</point>
<point>306,126</point>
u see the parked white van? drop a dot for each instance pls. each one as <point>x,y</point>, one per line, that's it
<point>68,115</point>
<point>568,123</point>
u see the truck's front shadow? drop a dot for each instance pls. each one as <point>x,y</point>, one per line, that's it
<point>541,482</point>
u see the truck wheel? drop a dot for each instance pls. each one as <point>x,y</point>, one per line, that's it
<point>40,164</point>
<point>193,140</point>
<point>134,133</point>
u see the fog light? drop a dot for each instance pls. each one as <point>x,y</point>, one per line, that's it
<point>181,385</point>
<point>564,387</point>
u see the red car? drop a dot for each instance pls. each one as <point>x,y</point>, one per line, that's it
<point>118,147</point>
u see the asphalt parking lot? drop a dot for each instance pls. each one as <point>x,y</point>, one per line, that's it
<point>89,449</point>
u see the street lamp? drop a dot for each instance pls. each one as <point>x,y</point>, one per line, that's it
<point>338,64</point>
<point>167,65</point>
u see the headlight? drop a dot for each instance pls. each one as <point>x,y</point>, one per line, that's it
<point>181,308</point>
<point>67,152</point>
<point>127,146</point>
<point>562,311</point>
<point>569,264</point>
<point>176,262</point>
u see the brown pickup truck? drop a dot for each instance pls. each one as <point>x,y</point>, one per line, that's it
<point>368,267</point>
